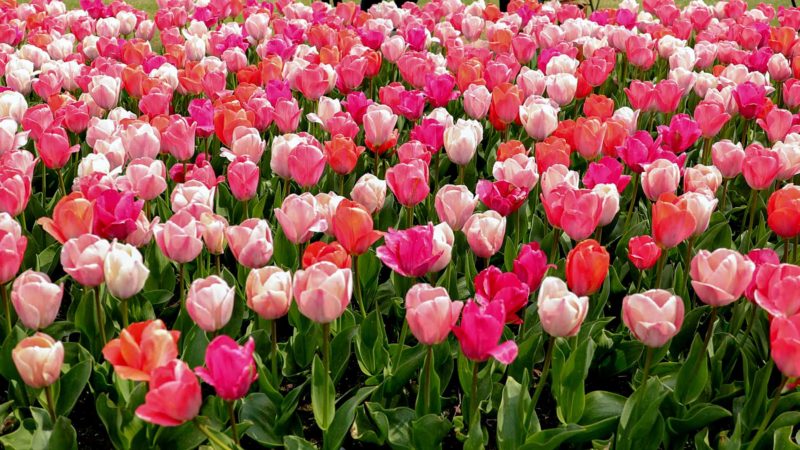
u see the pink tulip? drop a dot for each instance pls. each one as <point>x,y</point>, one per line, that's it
<point>430,313</point>
<point>409,182</point>
<point>250,242</point>
<point>643,252</point>
<point>12,247</point>
<point>174,397</point>
<point>178,138</point>
<point>710,117</point>
<point>776,287</point>
<point>461,141</point>
<point>147,177</point>
<point>727,157</point>
<point>556,175</point>
<point>38,359</point>
<point>124,271</point>
<point>54,149</point>
<point>209,303</point>
<point>539,119</point>
<point>246,141</point>
<point>300,218</point>
<point>760,166</point>
<point>776,123</point>
<point>700,206</point>
<point>243,178</point>
<point>379,131</point>
<point>114,214</point>
<point>477,100</point>
<point>269,292</point>
<point>720,277</point>
<point>560,311</point>
<point>230,368</point>
<point>654,317</point>
<point>666,96</point>
<point>212,231</point>
<point>480,331</point>
<point>702,179</point>
<point>439,89</point>
<point>640,94</point>
<point>485,233</point>
<point>36,300</point>
<point>82,258</point>
<point>411,252</point>
<point>492,285</point>
<point>609,203</point>
<point>179,237</point>
<point>659,177</point>
<point>141,140</point>
<point>455,204</point>
<point>306,163</point>
<point>287,115</point>
<point>680,135</point>
<point>561,88</point>
<point>784,337</point>
<point>192,192</point>
<point>750,99</point>
<point>530,265</point>
<point>576,211</point>
<point>519,170</point>
<point>370,192</point>
<point>323,291</point>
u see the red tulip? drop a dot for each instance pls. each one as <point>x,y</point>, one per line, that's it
<point>142,348</point>
<point>672,222</point>
<point>587,267</point>
<point>174,396</point>
<point>492,285</point>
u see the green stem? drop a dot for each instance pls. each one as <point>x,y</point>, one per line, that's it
<point>123,307</point>
<point>554,248</point>
<point>474,403</point>
<point>217,443</point>
<point>753,316</point>
<point>398,353</point>
<point>786,251</point>
<point>357,287</point>
<point>326,357</point>
<point>632,203</point>
<point>689,244</point>
<point>427,387</point>
<point>647,362</point>
<point>44,180</point>
<point>51,404</point>
<point>274,348</point>
<point>232,415</point>
<point>710,330</point>
<point>101,321</point>
<point>7,307</point>
<point>218,262</point>
<point>706,157</point>
<point>660,269</point>
<point>461,170</point>
<point>753,195</point>
<point>180,284</point>
<point>724,194</point>
<point>548,358</point>
<point>61,186</point>
<point>770,412</point>
<point>409,216</point>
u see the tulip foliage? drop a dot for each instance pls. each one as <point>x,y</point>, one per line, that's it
<point>436,225</point>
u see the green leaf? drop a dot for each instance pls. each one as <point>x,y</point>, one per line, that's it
<point>262,412</point>
<point>752,412</point>
<point>782,439</point>
<point>297,443</point>
<point>21,438</point>
<point>62,436</point>
<point>512,413</point>
<point>698,417</point>
<point>371,351</point>
<point>429,431</point>
<point>601,405</point>
<point>182,436</point>
<point>640,417</point>
<point>322,395</point>
<point>340,346</point>
<point>693,375</point>
<point>573,434</point>
<point>568,380</point>
<point>394,424</point>
<point>343,419</point>
<point>71,386</point>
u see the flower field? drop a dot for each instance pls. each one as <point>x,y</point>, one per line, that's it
<point>243,224</point>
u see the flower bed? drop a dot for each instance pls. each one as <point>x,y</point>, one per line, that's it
<point>435,226</point>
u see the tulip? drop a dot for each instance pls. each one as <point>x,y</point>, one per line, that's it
<point>12,248</point>
<point>192,192</point>
<point>210,303</point>
<point>269,292</point>
<point>461,140</point>
<point>710,117</point>
<point>287,115</point>
<point>700,206</point>
<point>654,317</point>
<point>353,228</point>
<point>783,211</point>
<point>409,182</point>
<point>492,285</point>
<point>666,96</point>
<point>306,164</point>
<point>246,141</point>
<point>141,140</point>
<point>728,158</point>
<point>477,100</point>
<point>82,258</point>
<point>504,109</point>
<point>775,288</point>
<point>589,137</point>
<point>672,222</point>
<point>15,191</point>
<point>539,119</point>
<point>660,177</point>
<point>322,291</point>
<point>370,192</point>
<point>776,123</point>
<point>501,196</point>
<point>485,233</point>
<point>587,267</point>
<point>38,360</point>
<point>114,214</point>
<point>561,312</point>
<point>439,89</point>
<point>124,271</point>
<point>179,237</point>
<point>251,243</point>
<point>443,241</point>
<point>178,138</point>
<point>702,179</point>
<point>36,300</point>
<point>243,178</point>
<point>576,211</point>
<point>104,91</point>
<point>141,348</point>
<point>643,252</point>
<point>556,175</point>
<point>174,396</point>
<point>230,368</point>
<point>454,205</point>
<point>411,252</point>
<point>321,251</point>
<point>342,154</point>
<point>720,277</point>
<point>147,177</point>
<point>430,313</point>
<point>530,265</point>
<point>480,331</point>
<point>519,170</point>
<point>561,88</point>
<point>760,166</point>
<point>750,99</point>
<point>784,338</point>
<point>299,218</point>
<point>212,231</point>
<point>379,132</point>
<point>54,149</point>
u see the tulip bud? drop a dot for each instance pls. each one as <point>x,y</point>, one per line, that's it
<point>38,359</point>
<point>124,271</point>
<point>210,303</point>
